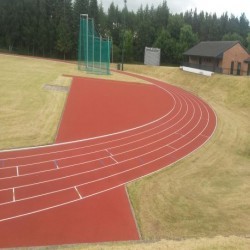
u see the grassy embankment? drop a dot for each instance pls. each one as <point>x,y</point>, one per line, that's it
<point>207,194</point>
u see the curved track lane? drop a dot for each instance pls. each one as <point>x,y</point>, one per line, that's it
<point>41,179</point>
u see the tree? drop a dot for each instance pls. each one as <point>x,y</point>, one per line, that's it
<point>248,42</point>
<point>162,15</point>
<point>233,37</point>
<point>166,44</point>
<point>94,11</point>
<point>187,37</point>
<point>128,45</point>
<point>64,29</point>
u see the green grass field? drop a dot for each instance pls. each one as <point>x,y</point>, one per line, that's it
<point>201,202</point>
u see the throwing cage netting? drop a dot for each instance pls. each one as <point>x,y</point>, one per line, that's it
<point>93,50</point>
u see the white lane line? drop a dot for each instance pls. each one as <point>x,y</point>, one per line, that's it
<point>17,171</point>
<point>78,192</point>
<point>13,193</point>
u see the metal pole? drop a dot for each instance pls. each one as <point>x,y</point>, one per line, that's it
<point>87,39</point>
<point>93,52</point>
<point>125,2</point>
<point>100,52</point>
<point>108,57</point>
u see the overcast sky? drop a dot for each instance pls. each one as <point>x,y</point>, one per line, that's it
<point>236,7</point>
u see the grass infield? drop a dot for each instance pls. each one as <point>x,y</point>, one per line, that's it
<point>203,200</point>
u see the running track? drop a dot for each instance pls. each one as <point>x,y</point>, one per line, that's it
<point>74,192</point>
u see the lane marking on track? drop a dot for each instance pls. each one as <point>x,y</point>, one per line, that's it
<point>205,136</point>
<point>78,193</point>
<point>112,156</point>
<point>13,192</point>
<point>56,164</point>
<point>17,171</point>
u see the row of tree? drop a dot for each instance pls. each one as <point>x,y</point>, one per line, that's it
<point>50,28</point>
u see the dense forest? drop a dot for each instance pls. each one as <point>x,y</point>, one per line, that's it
<point>50,28</point>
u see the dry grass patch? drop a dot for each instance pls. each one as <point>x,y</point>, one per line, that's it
<point>217,243</point>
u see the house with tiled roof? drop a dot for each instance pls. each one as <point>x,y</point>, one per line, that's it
<point>227,57</point>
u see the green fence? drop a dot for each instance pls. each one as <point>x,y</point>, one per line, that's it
<point>93,50</point>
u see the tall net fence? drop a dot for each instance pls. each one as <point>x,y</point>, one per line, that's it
<point>93,50</point>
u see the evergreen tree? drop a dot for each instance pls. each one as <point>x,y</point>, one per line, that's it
<point>51,28</point>
<point>64,29</point>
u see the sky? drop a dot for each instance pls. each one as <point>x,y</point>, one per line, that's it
<point>236,7</point>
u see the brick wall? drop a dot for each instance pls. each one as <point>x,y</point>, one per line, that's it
<point>237,54</point>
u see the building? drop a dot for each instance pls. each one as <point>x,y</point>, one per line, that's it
<point>227,57</point>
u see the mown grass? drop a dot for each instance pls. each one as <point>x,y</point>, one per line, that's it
<point>193,201</point>
<point>29,114</point>
<point>206,194</point>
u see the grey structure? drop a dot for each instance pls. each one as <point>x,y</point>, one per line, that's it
<point>152,56</point>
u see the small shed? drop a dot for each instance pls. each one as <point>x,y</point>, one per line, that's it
<point>227,57</point>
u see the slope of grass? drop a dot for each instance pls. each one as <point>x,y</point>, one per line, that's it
<point>207,193</point>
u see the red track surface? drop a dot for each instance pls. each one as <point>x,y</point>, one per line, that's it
<point>74,192</point>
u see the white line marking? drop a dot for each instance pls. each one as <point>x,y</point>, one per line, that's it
<point>111,156</point>
<point>13,192</point>
<point>78,192</point>
<point>56,164</point>
<point>17,171</point>
<point>113,159</point>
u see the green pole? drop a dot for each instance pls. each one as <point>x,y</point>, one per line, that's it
<point>125,2</point>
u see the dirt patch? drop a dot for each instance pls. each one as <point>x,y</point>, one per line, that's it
<point>51,87</point>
